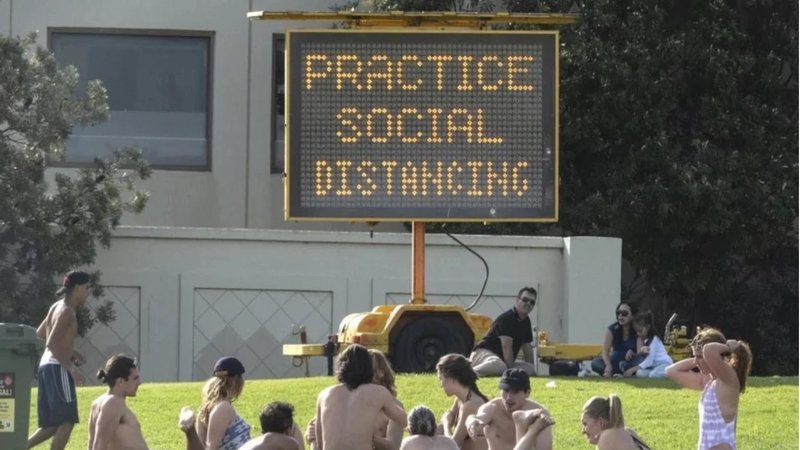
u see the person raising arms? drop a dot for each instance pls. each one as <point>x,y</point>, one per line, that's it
<point>724,366</point>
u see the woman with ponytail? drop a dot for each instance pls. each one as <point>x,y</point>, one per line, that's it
<point>218,425</point>
<point>724,366</point>
<point>458,379</point>
<point>604,425</point>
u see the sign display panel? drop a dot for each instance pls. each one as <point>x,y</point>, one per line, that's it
<point>424,126</point>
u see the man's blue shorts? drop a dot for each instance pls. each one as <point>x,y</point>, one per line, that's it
<point>58,403</point>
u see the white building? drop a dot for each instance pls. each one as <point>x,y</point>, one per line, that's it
<point>211,267</point>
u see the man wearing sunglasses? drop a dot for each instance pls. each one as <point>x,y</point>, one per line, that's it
<point>510,332</point>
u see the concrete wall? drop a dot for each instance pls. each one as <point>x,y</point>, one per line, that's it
<point>239,191</point>
<point>187,296</point>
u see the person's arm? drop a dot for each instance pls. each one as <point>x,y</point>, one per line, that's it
<point>108,418</point>
<point>447,419</point>
<point>221,417</point>
<point>318,425</point>
<point>527,352</point>
<point>682,373</point>
<point>460,433</point>
<point>297,435</point>
<point>713,355</point>
<point>393,409</point>
<point>483,417</point>
<point>41,331</point>
<point>608,340</point>
<point>507,344</point>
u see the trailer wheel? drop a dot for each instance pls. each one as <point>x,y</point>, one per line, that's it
<point>423,341</point>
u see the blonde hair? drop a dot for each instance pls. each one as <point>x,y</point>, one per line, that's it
<point>741,360</point>
<point>219,387</point>
<point>382,371</point>
<point>608,409</point>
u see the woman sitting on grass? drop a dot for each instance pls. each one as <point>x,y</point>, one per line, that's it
<point>724,366</point>
<point>458,379</point>
<point>604,425</point>
<point>217,425</point>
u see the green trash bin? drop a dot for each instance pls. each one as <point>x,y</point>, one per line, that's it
<point>19,353</point>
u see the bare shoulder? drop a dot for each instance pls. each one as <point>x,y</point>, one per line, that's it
<point>536,405</point>
<point>445,443</point>
<point>108,404</point>
<point>616,439</point>
<point>472,405</point>
<point>63,313</point>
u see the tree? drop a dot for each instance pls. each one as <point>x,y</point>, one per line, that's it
<point>679,135</point>
<point>44,230</point>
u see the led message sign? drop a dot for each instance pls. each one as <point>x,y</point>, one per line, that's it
<point>429,126</point>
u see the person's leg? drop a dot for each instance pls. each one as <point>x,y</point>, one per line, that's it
<point>616,359</point>
<point>490,367</point>
<point>643,373</point>
<point>598,365</point>
<point>486,363</point>
<point>61,438</point>
<point>41,435</point>
<point>528,425</point>
<point>529,368</point>
<point>659,371</point>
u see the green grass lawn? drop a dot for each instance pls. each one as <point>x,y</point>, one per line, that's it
<point>665,415</point>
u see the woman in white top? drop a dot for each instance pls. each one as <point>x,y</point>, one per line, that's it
<point>653,357</point>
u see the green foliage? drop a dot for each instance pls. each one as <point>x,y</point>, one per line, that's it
<point>45,230</point>
<point>678,133</point>
<point>656,409</point>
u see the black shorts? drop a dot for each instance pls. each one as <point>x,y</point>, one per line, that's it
<point>58,403</point>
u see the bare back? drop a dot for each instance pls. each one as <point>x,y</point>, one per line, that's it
<point>59,330</point>
<point>616,439</point>
<point>420,442</point>
<point>347,418</point>
<point>112,425</point>
<point>272,441</point>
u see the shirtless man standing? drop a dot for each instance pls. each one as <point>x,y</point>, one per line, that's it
<point>58,403</point>
<point>112,425</point>
<point>505,420</point>
<point>346,413</point>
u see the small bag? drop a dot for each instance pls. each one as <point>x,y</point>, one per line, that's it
<point>564,367</point>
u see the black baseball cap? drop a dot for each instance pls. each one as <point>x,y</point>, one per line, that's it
<point>230,365</point>
<point>515,380</point>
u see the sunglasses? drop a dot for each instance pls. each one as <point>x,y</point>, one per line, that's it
<point>528,300</point>
<point>623,313</point>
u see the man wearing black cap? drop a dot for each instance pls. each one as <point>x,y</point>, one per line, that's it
<point>505,420</point>
<point>510,332</point>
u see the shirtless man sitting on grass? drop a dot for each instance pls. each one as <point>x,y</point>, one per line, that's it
<point>112,425</point>
<point>280,431</point>
<point>513,421</point>
<point>347,413</point>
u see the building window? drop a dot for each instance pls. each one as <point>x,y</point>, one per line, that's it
<point>158,87</point>
<point>278,104</point>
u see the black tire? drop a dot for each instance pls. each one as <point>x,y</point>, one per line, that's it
<point>420,344</point>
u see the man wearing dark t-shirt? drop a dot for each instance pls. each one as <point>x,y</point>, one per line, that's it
<point>510,332</point>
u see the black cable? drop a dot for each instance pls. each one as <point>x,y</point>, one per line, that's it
<point>485,265</point>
